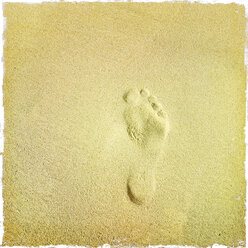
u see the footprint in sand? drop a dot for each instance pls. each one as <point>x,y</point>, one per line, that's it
<point>147,126</point>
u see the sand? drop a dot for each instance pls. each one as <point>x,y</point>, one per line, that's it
<point>124,124</point>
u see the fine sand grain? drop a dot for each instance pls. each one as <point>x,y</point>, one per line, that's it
<point>124,124</point>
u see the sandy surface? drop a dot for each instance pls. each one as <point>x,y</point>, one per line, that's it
<point>91,156</point>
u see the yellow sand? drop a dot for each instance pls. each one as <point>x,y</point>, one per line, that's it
<point>89,158</point>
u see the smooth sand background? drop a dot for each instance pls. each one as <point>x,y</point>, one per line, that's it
<point>67,152</point>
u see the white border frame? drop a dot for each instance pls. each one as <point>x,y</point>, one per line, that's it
<point>2,28</point>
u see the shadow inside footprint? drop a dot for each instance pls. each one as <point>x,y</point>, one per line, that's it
<point>132,197</point>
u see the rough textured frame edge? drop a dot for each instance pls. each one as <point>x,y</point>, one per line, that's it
<point>2,28</point>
